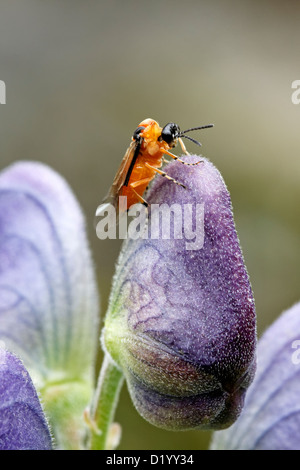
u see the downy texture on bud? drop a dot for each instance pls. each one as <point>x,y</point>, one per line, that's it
<point>181,319</point>
<point>22,422</point>
<point>271,417</point>
<point>48,294</point>
<point>47,283</point>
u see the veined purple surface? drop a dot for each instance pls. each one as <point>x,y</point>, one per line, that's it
<point>48,295</point>
<point>22,422</point>
<point>271,417</point>
<point>181,323</point>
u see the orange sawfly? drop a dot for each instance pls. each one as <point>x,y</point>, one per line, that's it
<point>143,160</point>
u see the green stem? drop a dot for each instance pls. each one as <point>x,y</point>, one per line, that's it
<point>105,402</point>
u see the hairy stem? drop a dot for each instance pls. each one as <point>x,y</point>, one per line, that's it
<point>105,402</point>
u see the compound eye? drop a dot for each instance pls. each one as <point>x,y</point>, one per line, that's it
<point>170,132</point>
<point>136,134</point>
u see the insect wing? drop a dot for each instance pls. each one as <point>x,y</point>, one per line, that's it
<point>119,180</point>
<point>122,173</point>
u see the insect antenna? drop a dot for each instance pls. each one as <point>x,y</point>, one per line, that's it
<point>190,138</point>
<point>195,129</point>
<point>182,133</point>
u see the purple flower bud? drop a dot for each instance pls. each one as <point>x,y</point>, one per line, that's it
<point>48,296</point>
<point>271,416</point>
<point>181,320</point>
<point>48,293</point>
<point>22,422</point>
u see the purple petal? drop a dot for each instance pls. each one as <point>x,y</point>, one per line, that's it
<point>22,422</point>
<point>271,417</point>
<point>48,296</point>
<point>181,321</point>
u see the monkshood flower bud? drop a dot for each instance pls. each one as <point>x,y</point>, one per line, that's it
<point>48,296</point>
<point>271,417</point>
<point>22,422</point>
<point>181,319</point>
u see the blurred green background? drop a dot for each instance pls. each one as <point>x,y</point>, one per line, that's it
<point>81,75</point>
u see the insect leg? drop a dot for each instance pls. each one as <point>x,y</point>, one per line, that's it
<point>163,173</point>
<point>135,184</point>
<point>141,199</point>
<point>181,161</point>
<point>183,147</point>
<point>164,160</point>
